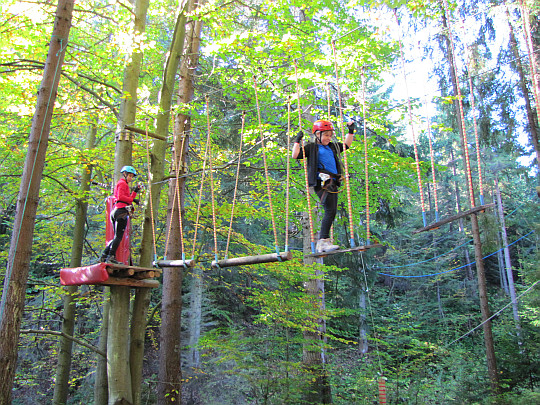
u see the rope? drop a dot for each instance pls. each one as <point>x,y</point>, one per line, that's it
<point>210,168</point>
<point>206,150</point>
<point>460,105</point>
<point>304,160</point>
<point>346,165</point>
<point>478,161</point>
<point>456,268</point>
<point>288,175</point>
<point>328,95</point>
<point>177,159</point>
<point>496,313</point>
<point>371,311</point>
<point>150,193</point>
<point>432,157</point>
<point>530,52</point>
<point>411,123</point>
<point>366,167</point>
<point>235,187</point>
<point>266,175</point>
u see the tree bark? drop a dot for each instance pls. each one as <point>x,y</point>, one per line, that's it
<point>61,385</point>
<point>119,375</point>
<point>313,355</point>
<point>480,271</point>
<point>507,261</point>
<point>533,125</point>
<point>101,388</point>
<point>14,293</point>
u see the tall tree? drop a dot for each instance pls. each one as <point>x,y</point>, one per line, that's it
<point>14,293</point>
<point>61,386</point>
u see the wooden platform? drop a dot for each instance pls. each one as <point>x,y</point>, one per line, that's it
<point>362,248</point>
<point>110,274</point>
<point>438,224</point>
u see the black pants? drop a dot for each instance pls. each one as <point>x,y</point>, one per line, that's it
<point>119,219</point>
<point>329,201</point>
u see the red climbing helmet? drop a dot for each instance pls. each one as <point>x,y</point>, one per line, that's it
<point>322,125</point>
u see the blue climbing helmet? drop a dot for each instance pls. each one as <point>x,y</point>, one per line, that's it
<point>129,169</point>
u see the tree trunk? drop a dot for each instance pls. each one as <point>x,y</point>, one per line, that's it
<point>14,293</point>
<point>533,126</point>
<point>508,264</point>
<point>118,338</point>
<point>128,101</point>
<point>480,272</point>
<point>61,385</point>
<point>118,348</point>
<point>170,371</point>
<point>313,356</point>
<point>101,388</point>
<point>363,345</point>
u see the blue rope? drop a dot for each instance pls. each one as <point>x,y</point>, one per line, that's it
<point>457,268</point>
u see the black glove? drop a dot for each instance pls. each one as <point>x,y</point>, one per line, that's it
<point>136,201</point>
<point>298,137</point>
<point>137,188</point>
<point>352,128</point>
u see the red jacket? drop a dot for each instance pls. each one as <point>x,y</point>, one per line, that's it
<point>122,194</point>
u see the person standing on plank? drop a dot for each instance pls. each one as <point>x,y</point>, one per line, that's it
<point>123,206</point>
<point>324,172</point>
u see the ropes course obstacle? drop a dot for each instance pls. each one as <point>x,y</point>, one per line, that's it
<point>122,273</point>
<point>255,259</point>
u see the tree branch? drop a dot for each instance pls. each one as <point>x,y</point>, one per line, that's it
<point>74,339</point>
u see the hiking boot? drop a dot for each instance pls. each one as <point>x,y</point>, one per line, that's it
<point>325,245</point>
<point>112,259</point>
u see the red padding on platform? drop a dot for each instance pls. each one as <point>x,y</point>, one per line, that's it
<point>94,274</point>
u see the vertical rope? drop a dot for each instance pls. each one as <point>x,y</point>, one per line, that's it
<point>304,160</point>
<point>432,156</point>
<point>460,105</point>
<point>478,161</point>
<point>528,41</point>
<point>196,227</point>
<point>150,193</point>
<point>346,165</point>
<point>411,123</point>
<point>235,186</point>
<point>177,158</point>
<point>288,175</point>
<point>266,175</point>
<point>211,169</point>
<point>366,166</point>
<point>329,119</point>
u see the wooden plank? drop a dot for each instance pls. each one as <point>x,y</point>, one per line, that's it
<point>438,224</point>
<point>247,260</point>
<point>176,263</point>
<point>131,282</point>
<point>362,248</point>
<point>121,266</point>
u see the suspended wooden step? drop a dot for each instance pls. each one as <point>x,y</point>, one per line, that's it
<point>354,249</point>
<point>438,224</point>
<point>246,260</point>
<point>175,263</point>
<point>110,274</point>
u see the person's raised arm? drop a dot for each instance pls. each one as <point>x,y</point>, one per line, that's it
<point>296,145</point>
<point>351,126</point>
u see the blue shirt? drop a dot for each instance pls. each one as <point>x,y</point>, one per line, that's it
<point>327,160</point>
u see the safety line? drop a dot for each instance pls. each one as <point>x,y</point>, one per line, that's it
<point>496,313</point>
<point>456,268</point>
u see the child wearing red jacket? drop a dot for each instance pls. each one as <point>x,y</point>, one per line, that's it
<point>119,215</point>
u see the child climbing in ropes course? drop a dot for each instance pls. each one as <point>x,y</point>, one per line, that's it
<point>324,172</point>
<point>123,206</point>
